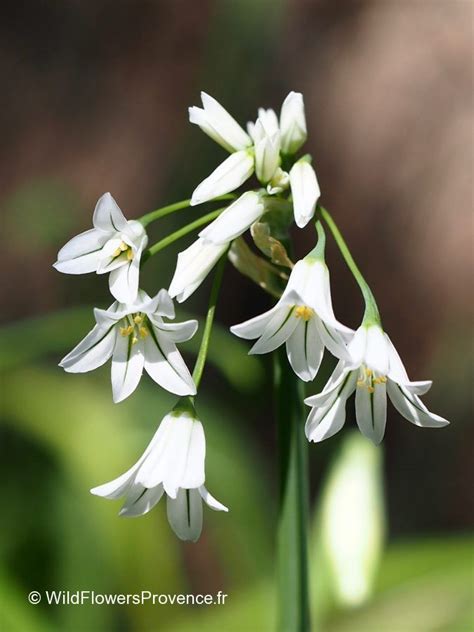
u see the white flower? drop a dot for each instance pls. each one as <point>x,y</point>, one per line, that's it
<point>193,266</point>
<point>303,318</point>
<point>279,182</point>
<point>135,337</point>
<point>292,123</point>
<point>173,463</point>
<point>266,137</point>
<point>375,370</point>
<point>113,246</point>
<point>217,123</point>
<point>305,191</point>
<point>235,220</point>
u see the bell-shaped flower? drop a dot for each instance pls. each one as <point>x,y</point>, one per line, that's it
<point>304,190</point>
<point>114,246</point>
<point>374,371</point>
<point>135,336</point>
<point>216,122</point>
<point>266,137</point>
<point>303,318</point>
<point>292,123</point>
<point>193,266</point>
<point>174,464</point>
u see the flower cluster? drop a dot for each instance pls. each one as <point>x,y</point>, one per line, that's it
<point>135,333</point>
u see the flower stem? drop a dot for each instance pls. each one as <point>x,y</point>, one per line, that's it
<point>177,206</point>
<point>169,239</point>
<point>292,561</point>
<point>371,314</point>
<point>206,335</point>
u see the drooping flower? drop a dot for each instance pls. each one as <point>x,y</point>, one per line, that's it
<point>303,318</point>
<point>135,336</point>
<point>304,190</point>
<point>173,463</point>
<point>114,246</point>
<point>195,263</point>
<point>374,371</point>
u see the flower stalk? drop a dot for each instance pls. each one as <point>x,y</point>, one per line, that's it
<point>292,535</point>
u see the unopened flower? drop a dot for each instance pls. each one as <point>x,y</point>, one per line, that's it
<point>135,336</point>
<point>374,371</point>
<point>114,246</point>
<point>303,318</point>
<point>173,463</point>
<point>304,190</point>
<point>292,123</point>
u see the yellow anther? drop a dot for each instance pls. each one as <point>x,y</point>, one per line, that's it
<point>129,254</point>
<point>126,331</point>
<point>116,252</point>
<point>134,340</point>
<point>143,332</point>
<point>137,319</point>
<point>360,383</point>
<point>380,380</point>
<point>371,389</point>
<point>304,312</point>
<point>123,246</point>
<point>369,372</point>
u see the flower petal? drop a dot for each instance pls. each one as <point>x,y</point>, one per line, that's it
<point>235,220</point>
<point>92,352</point>
<point>412,408</point>
<point>331,388</point>
<point>185,514</point>
<point>229,175</point>
<point>127,367</point>
<point>277,332</point>
<point>376,350</point>
<point>165,366</point>
<point>193,266</point>
<point>305,350</point>
<point>211,501</point>
<point>327,420</point>
<point>81,254</point>
<point>305,191</point>
<point>224,124</point>
<point>254,327</point>
<point>179,332</point>
<point>142,504</point>
<point>371,411</point>
<point>123,281</point>
<point>108,216</point>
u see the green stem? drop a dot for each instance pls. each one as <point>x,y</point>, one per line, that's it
<point>169,239</point>
<point>177,206</point>
<point>371,315</point>
<point>292,562</point>
<point>201,358</point>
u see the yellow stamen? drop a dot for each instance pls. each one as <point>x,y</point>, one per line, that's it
<point>137,319</point>
<point>143,332</point>
<point>126,331</point>
<point>129,254</point>
<point>134,340</point>
<point>116,252</point>
<point>304,312</point>
<point>123,246</point>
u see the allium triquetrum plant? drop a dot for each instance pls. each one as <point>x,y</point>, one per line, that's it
<point>138,332</point>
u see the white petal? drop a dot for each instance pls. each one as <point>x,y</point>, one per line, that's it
<point>331,388</point>
<point>179,332</point>
<point>376,350</point>
<point>229,175</point>
<point>267,154</point>
<point>193,472</point>
<point>184,456</point>
<point>127,367</point>
<point>255,327</point>
<point>92,352</point>
<point>224,124</point>
<point>158,459</point>
<point>357,346</point>
<point>412,408</point>
<point>305,350</point>
<point>118,487</point>
<point>123,281</point>
<point>292,123</point>
<point>397,372</point>
<point>326,421</point>
<point>277,332</point>
<point>165,366</point>
<point>371,411</point>
<point>162,305</point>
<point>108,216</point>
<point>418,388</point>
<point>211,501</point>
<point>235,220</point>
<point>81,254</point>
<point>269,121</point>
<point>142,504</point>
<point>193,266</point>
<point>332,339</point>
<point>305,191</point>
<point>185,514</point>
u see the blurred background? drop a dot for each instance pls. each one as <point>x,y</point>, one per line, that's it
<point>95,98</point>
